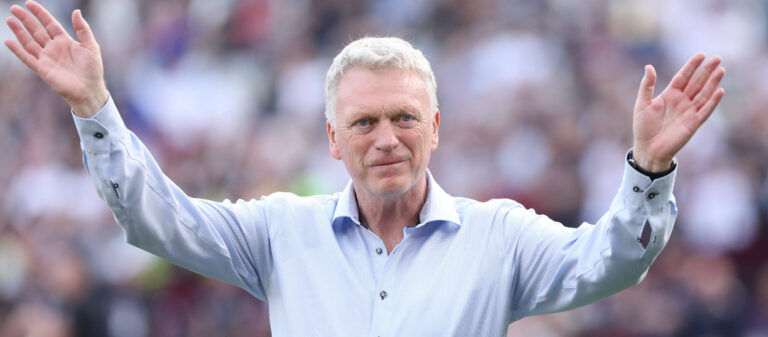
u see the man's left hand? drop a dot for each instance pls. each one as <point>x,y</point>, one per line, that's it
<point>664,124</point>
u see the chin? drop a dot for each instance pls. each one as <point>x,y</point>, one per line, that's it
<point>393,186</point>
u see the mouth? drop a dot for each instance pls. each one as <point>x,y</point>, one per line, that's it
<point>387,163</point>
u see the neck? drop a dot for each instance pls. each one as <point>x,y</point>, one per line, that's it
<point>386,217</point>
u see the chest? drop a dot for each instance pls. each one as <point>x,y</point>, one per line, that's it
<point>437,280</point>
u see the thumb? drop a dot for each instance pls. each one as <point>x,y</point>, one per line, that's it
<point>647,84</point>
<point>83,30</point>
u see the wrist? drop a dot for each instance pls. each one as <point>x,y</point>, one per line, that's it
<point>653,166</point>
<point>91,105</point>
<point>649,163</point>
<point>658,173</point>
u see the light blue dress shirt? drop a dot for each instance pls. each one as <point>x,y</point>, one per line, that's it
<point>468,269</point>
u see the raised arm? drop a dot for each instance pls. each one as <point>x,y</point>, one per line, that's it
<point>73,69</point>
<point>226,241</point>
<point>663,125</point>
<point>560,269</point>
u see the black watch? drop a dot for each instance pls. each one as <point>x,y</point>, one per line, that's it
<point>652,175</point>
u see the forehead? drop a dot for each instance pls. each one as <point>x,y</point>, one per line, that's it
<point>366,90</point>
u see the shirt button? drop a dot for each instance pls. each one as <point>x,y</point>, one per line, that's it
<point>636,189</point>
<point>652,195</point>
<point>383,295</point>
<point>98,135</point>
<point>115,185</point>
<point>379,251</point>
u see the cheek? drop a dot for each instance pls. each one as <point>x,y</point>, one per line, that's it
<point>353,148</point>
<point>425,142</point>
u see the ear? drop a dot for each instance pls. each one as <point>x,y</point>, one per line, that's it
<point>332,142</point>
<point>435,127</point>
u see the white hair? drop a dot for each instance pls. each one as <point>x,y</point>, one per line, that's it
<point>377,53</point>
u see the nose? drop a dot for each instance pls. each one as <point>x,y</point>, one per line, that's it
<point>386,137</point>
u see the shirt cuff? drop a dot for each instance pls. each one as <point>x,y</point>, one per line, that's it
<point>95,132</point>
<point>640,190</point>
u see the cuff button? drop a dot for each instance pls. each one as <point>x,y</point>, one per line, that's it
<point>98,135</point>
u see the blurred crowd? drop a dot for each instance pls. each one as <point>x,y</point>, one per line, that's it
<point>536,102</point>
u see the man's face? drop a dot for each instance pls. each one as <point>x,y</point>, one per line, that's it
<point>384,130</point>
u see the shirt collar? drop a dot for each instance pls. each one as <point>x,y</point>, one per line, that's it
<point>346,207</point>
<point>437,207</point>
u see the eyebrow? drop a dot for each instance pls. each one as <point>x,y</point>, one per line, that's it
<point>408,108</point>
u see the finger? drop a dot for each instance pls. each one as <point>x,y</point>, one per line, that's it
<point>83,30</point>
<point>711,104</point>
<point>51,25</point>
<point>684,74</point>
<point>22,54</point>
<point>26,40</point>
<point>647,85</point>
<point>31,24</point>
<point>709,88</point>
<point>701,77</point>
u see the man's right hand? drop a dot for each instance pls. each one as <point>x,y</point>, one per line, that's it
<point>73,69</point>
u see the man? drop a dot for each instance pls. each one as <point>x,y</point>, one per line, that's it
<point>392,254</point>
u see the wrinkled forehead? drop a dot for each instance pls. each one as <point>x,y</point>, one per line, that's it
<point>383,90</point>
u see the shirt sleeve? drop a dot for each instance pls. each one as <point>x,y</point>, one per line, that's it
<point>227,241</point>
<point>558,268</point>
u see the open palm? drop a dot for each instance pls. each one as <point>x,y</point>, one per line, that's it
<point>72,69</point>
<point>664,124</point>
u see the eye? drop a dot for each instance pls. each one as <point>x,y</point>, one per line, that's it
<point>406,120</point>
<point>362,125</point>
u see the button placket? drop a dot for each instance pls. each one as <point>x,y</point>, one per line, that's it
<point>383,305</point>
<point>382,310</point>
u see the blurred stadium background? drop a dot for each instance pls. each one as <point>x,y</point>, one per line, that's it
<point>536,99</point>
